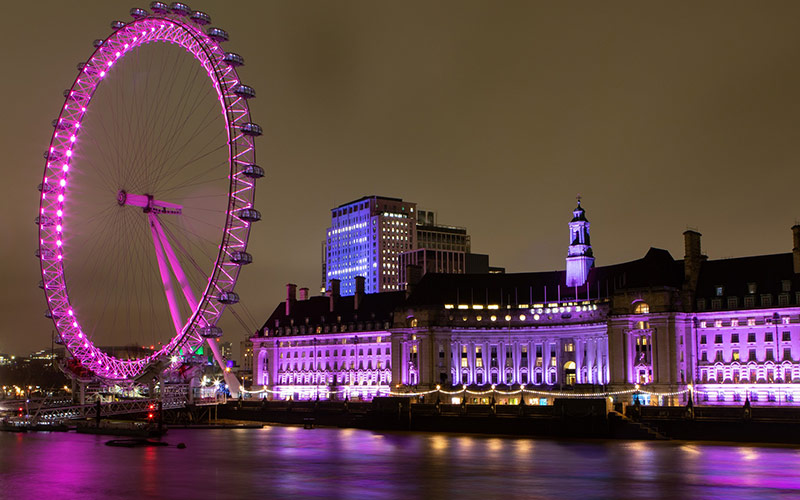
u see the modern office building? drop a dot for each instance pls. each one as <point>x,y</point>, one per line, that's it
<point>365,239</point>
<point>440,249</point>
<point>717,331</point>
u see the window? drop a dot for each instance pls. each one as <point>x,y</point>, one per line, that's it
<point>703,339</point>
<point>770,357</point>
<point>734,322</point>
<point>704,356</point>
<point>751,355</point>
<point>783,299</point>
<point>766,300</point>
<point>768,337</point>
<point>641,308</point>
<point>716,304</point>
<point>751,288</point>
<point>787,353</point>
<point>718,356</point>
<point>717,339</point>
<point>569,347</point>
<point>751,337</point>
<point>749,302</point>
<point>719,291</point>
<point>733,302</point>
<point>786,286</point>
<point>735,355</point>
<point>787,336</point>
<point>701,304</point>
<point>734,337</point>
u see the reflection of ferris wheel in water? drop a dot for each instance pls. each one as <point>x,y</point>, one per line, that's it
<point>148,193</point>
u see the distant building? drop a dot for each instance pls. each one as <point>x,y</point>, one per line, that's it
<point>365,239</point>
<point>383,239</point>
<point>246,349</point>
<point>440,249</point>
<point>226,350</point>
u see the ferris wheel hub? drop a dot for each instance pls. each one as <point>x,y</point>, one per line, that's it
<point>148,203</point>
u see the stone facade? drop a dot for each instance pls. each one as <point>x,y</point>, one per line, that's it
<point>719,331</point>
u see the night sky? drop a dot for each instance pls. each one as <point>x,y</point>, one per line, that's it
<point>494,114</point>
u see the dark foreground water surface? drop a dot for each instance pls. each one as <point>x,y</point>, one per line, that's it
<point>290,462</point>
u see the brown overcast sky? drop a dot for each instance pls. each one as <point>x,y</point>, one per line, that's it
<point>663,115</point>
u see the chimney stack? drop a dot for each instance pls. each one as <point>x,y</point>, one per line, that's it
<point>333,292</point>
<point>303,294</point>
<point>692,259</point>
<point>359,295</point>
<point>796,247</point>
<point>291,290</point>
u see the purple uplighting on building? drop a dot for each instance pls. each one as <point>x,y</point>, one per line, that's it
<point>721,331</point>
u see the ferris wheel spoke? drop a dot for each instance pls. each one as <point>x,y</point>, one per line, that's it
<point>208,121</point>
<point>175,127</point>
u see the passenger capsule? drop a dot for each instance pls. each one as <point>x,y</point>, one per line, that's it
<point>115,25</point>
<point>210,332</point>
<point>200,18</point>
<point>228,297</point>
<point>137,13</point>
<point>253,171</point>
<point>45,187</point>
<point>60,124</point>
<point>251,129</point>
<point>45,254</point>
<point>233,59</point>
<point>41,284</point>
<point>67,92</point>
<point>250,214</point>
<point>97,43</point>
<point>180,9</point>
<point>159,7</point>
<point>43,220</point>
<point>245,92</point>
<point>86,68</point>
<point>58,340</point>
<point>52,155</point>
<point>217,34</point>
<point>241,258</point>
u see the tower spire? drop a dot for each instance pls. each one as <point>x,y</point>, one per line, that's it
<point>580,258</point>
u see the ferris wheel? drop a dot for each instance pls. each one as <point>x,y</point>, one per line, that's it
<point>147,196</point>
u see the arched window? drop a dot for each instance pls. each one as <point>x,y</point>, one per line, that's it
<point>641,308</point>
<point>569,373</point>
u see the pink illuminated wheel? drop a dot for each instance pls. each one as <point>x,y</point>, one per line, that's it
<point>147,195</point>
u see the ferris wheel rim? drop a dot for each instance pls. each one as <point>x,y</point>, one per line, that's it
<point>172,28</point>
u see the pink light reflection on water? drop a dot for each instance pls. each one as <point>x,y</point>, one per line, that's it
<point>290,462</point>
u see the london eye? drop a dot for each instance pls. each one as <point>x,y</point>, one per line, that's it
<point>147,196</point>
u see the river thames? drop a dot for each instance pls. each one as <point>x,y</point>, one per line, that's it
<point>291,462</point>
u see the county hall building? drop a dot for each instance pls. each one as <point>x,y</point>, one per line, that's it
<point>720,331</point>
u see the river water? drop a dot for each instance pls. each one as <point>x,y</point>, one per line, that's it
<point>291,462</point>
